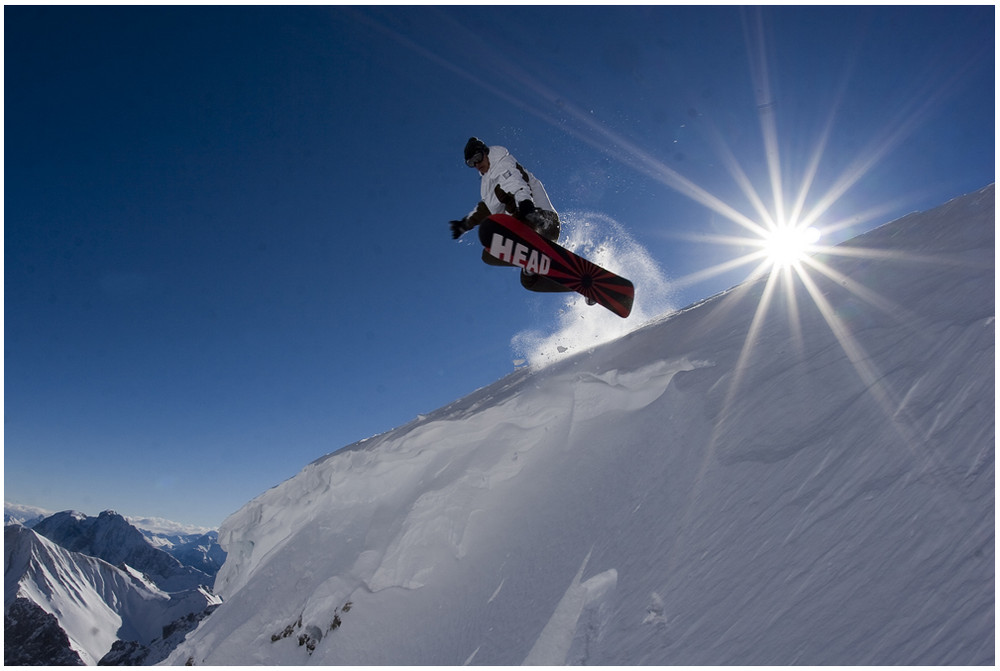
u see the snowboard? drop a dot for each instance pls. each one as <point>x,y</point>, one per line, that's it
<point>514,242</point>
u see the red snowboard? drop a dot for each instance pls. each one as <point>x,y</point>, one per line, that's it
<point>516,243</point>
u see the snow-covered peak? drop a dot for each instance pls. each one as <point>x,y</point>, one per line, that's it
<point>110,537</point>
<point>83,603</point>
<point>168,531</point>
<point>778,475</point>
<point>95,602</point>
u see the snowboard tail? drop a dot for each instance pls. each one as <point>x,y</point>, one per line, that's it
<point>514,242</point>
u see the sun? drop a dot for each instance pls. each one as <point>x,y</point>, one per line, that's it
<point>788,245</point>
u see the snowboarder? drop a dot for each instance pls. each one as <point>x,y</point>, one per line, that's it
<point>519,227</point>
<point>506,187</point>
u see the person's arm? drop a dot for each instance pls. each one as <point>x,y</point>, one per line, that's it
<point>469,221</point>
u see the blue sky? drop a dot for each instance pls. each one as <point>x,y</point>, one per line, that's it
<point>226,244</point>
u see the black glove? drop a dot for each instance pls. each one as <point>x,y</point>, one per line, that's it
<point>459,226</point>
<point>524,208</point>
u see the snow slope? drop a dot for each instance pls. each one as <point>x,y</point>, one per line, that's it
<point>721,486</point>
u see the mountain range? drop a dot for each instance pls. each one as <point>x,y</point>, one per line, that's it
<point>76,586</point>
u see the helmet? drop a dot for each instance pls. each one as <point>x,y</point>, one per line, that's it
<point>472,147</point>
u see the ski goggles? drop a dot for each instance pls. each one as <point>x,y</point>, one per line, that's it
<point>475,159</point>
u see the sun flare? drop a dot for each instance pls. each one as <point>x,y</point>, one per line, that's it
<point>789,245</point>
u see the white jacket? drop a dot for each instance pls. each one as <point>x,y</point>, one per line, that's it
<point>505,185</point>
